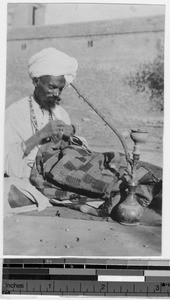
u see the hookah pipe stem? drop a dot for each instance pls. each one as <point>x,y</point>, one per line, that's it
<point>127,155</point>
<point>135,161</point>
<point>133,169</point>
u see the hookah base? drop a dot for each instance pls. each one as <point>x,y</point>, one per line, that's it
<point>129,214</point>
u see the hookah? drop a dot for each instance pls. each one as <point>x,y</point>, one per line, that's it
<point>128,212</point>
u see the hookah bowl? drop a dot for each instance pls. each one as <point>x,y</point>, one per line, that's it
<point>139,137</point>
<point>129,212</point>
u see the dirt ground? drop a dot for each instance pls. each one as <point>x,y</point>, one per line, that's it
<point>61,231</point>
<point>78,234</point>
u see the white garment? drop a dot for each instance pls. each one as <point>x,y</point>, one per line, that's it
<point>18,128</point>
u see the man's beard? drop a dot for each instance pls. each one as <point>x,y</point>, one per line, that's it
<point>48,103</point>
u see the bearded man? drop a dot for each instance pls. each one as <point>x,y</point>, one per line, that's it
<point>40,116</point>
<point>33,120</point>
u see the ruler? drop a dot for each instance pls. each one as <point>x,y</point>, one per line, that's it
<point>89,277</point>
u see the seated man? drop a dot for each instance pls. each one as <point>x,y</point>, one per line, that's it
<point>39,117</point>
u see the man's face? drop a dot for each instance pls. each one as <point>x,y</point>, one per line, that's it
<point>47,90</point>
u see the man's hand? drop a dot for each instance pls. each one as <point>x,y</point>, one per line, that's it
<point>54,129</point>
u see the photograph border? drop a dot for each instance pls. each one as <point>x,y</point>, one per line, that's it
<point>166,145</point>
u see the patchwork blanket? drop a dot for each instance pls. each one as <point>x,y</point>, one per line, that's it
<point>73,172</point>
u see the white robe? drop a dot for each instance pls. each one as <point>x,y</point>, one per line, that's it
<point>18,128</point>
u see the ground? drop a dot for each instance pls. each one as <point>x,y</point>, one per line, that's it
<point>77,234</point>
<point>60,231</point>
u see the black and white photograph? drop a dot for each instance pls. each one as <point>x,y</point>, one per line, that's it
<point>84,126</point>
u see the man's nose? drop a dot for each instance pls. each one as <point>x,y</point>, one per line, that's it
<point>56,92</point>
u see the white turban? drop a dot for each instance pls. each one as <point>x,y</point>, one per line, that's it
<point>52,62</point>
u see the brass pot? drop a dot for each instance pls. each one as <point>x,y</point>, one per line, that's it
<point>129,212</point>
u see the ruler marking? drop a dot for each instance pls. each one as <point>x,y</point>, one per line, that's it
<point>150,287</point>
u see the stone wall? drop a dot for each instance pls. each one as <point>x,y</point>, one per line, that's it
<point>111,45</point>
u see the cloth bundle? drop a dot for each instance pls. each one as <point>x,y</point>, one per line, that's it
<point>79,175</point>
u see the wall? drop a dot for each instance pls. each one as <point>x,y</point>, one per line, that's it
<point>108,46</point>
